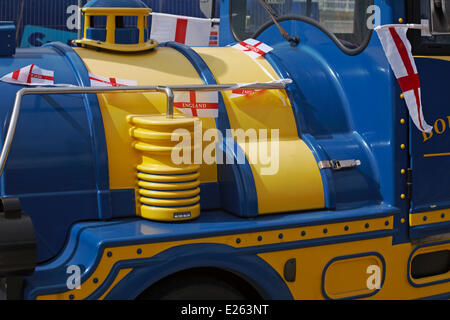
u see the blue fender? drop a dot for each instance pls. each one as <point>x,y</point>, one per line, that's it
<point>251,268</point>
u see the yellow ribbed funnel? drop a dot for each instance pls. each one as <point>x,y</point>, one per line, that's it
<point>167,191</point>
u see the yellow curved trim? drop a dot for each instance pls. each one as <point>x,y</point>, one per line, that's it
<point>169,186</point>
<point>118,47</point>
<point>122,274</point>
<point>160,66</point>
<point>418,219</point>
<point>169,202</point>
<point>293,182</point>
<point>169,194</point>
<point>434,57</point>
<point>167,178</point>
<point>117,11</point>
<point>111,256</point>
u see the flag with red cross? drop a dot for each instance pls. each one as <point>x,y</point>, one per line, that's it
<point>203,104</point>
<point>30,75</point>
<point>398,52</point>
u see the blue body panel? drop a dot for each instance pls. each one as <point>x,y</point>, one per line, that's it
<point>429,174</point>
<point>88,241</point>
<point>346,106</point>
<point>58,163</point>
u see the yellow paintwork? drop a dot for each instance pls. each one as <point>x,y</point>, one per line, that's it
<point>434,57</point>
<point>246,240</point>
<point>338,285</point>
<point>417,219</point>
<point>110,42</point>
<point>118,47</point>
<point>163,66</point>
<point>154,139</point>
<point>311,261</point>
<point>396,285</point>
<point>298,184</point>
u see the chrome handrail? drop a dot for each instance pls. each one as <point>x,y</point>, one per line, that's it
<point>167,90</point>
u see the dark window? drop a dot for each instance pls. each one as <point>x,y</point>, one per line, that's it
<point>126,22</point>
<point>430,264</point>
<point>346,19</point>
<point>98,22</point>
<point>435,13</point>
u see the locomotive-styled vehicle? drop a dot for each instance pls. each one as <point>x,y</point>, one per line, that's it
<point>345,199</point>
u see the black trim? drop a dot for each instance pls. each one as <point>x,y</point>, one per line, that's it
<point>430,264</point>
<point>290,270</point>
<point>418,47</point>
<point>18,251</point>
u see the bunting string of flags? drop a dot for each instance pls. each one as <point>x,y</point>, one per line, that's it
<point>241,90</point>
<point>97,81</point>
<point>30,75</point>
<point>253,48</point>
<point>398,52</point>
<point>204,104</point>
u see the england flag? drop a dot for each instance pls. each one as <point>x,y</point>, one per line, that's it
<point>186,30</point>
<point>398,52</point>
<point>253,48</point>
<point>97,81</point>
<point>203,104</point>
<point>30,75</point>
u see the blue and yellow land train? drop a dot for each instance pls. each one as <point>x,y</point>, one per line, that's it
<point>358,208</point>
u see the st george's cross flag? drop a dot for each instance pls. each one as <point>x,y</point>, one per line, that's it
<point>244,93</point>
<point>30,75</point>
<point>203,104</point>
<point>190,31</point>
<point>97,81</point>
<point>398,52</point>
<point>253,48</point>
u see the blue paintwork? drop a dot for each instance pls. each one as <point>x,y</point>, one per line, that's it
<point>58,163</point>
<point>341,121</point>
<point>87,242</point>
<point>7,38</point>
<point>116,4</point>
<point>98,34</point>
<point>340,116</point>
<point>365,254</point>
<point>432,172</point>
<point>345,107</point>
<point>248,267</point>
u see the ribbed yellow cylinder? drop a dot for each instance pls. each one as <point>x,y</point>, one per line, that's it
<point>167,178</point>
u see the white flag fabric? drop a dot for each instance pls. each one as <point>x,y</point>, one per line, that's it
<point>398,52</point>
<point>253,48</point>
<point>97,81</point>
<point>203,104</point>
<point>30,75</point>
<point>244,93</point>
<point>190,31</point>
<point>242,89</point>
